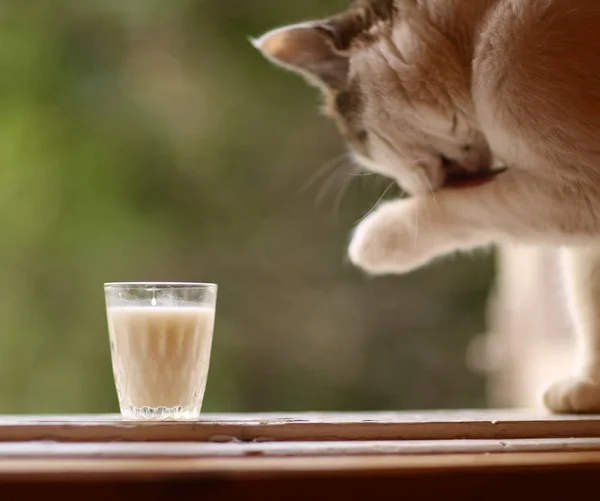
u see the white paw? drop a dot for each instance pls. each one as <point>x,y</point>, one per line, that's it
<point>392,240</point>
<point>575,395</point>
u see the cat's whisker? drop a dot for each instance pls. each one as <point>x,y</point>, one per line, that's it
<point>419,175</point>
<point>389,186</point>
<point>362,174</point>
<point>345,186</point>
<point>432,191</point>
<point>329,183</point>
<point>325,187</point>
<point>322,171</point>
<point>424,177</point>
<point>380,183</point>
<point>340,196</point>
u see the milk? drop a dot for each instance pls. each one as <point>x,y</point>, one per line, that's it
<point>160,357</point>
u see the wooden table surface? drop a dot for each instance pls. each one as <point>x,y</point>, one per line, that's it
<point>456,455</point>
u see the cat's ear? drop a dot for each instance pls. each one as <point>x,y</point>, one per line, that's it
<point>309,49</point>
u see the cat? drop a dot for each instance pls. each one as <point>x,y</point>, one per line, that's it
<point>434,94</point>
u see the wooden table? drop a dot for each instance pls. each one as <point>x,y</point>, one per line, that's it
<point>430,455</point>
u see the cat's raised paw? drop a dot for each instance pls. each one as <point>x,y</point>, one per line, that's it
<point>392,240</point>
<point>575,395</point>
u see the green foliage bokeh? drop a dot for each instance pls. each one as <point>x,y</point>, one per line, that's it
<point>147,140</point>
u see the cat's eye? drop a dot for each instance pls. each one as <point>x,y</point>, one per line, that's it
<point>467,147</point>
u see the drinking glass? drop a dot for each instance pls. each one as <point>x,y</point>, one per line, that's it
<point>160,342</point>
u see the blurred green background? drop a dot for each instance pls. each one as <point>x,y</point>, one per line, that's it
<point>147,140</point>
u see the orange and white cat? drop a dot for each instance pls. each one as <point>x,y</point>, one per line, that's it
<point>433,94</point>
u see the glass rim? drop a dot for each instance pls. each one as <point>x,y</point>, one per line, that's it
<point>165,285</point>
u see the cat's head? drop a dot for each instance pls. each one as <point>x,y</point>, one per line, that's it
<point>396,88</point>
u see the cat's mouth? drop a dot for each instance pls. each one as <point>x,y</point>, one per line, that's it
<point>461,178</point>
<point>469,179</point>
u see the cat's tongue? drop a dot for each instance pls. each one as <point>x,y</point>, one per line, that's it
<point>470,179</point>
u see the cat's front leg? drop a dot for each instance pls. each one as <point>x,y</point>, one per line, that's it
<point>402,235</point>
<point>581,392</point>
<point>515,207</point>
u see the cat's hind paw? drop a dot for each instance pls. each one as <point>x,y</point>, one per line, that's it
<point>575,395</point>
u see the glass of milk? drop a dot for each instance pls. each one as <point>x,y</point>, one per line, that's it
<point>160,341</point>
